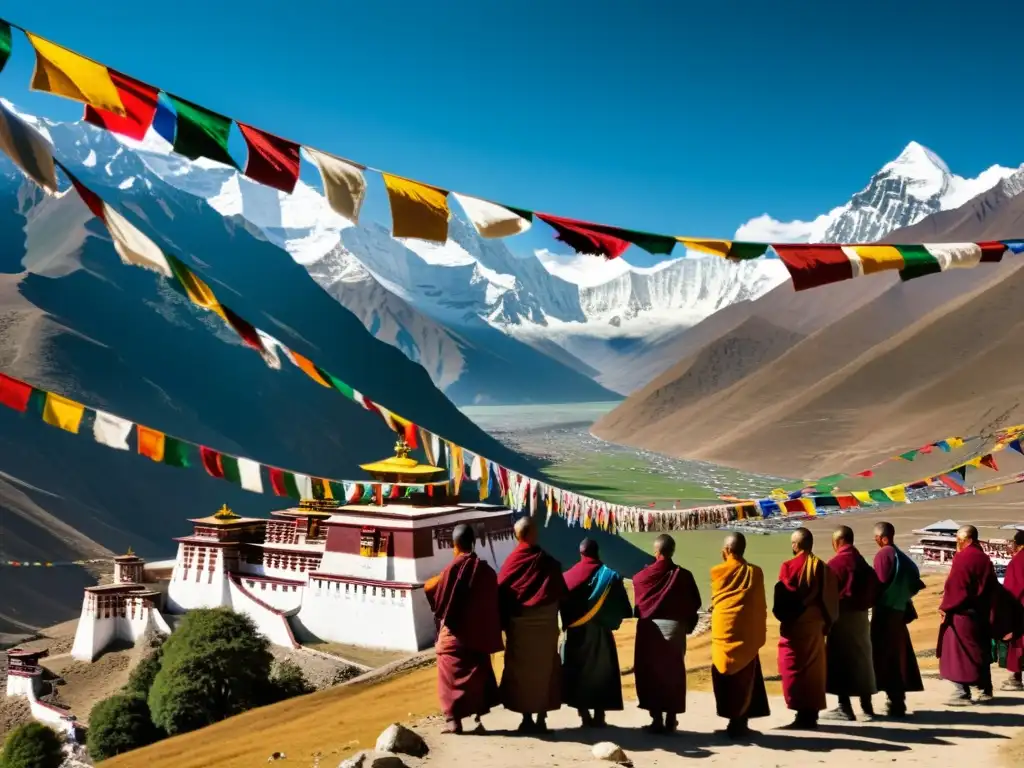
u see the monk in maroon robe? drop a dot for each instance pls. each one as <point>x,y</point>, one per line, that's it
<point>806,605</point>
<point>667,602</point>
<point>530,588</point>
<point>465,602</point>
<point>850,668</point>
<point>1013,631</point>
<point>965,635</point>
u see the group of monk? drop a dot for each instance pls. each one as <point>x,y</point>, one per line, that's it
<point>843,630</point>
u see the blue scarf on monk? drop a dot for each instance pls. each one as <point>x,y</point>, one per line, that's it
<point>595,594</point>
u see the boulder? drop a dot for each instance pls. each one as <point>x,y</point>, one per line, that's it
<point>373,760</point>
<point>612,753</point>
<point>401,740</point>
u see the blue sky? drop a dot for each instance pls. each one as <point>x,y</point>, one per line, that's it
<point>677,117</point>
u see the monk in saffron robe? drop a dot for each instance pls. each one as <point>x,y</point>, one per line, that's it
<point>849,662</point>
<point>895,663</point>
<point>965,635</point>
<point>806,604</point>
<point>594,607</point>
<point>465,602</point>
<point>530,588</point>
<point>739,615</point>
<point>667,602</point>
<point>1013,584</point>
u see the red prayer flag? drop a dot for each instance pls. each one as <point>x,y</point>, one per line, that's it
<point>245,331</point>
<point>952,484</point>
<point>811,265</point>
<point>14,394</point>
<point>795,505</point>
<point>410,435</point>
<point>584,237</point>
<point>139,102</point>
<point>865,473</point>
<point>277,481</point>
<point>988,460</point>
<point>90,198</point>
<point>992,251</point>
<point>847,502</point>
<point>211,460</point>
<point>272,160</point>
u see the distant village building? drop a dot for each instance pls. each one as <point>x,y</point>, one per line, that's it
<point>25,679</point>
<point>349,574</point>
<point>937,545</point>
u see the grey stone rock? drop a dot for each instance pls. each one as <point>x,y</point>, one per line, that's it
<point>401,740</point>
<point>372,760</point>
<point>612,753</point>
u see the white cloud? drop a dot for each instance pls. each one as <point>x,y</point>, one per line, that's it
<point>580,269</point>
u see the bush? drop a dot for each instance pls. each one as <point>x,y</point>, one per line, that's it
<point>32,746</point>
<point>213,666</point>
<point>120,724</point>
<point>140,681</point>
<point>288,681</point>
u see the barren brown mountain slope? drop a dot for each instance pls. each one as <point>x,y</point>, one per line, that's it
<point>828,379</point>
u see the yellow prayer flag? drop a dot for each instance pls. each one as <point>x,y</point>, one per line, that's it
<point>196,288</point>
<point>809,506</point>
<point>954,442</point>
<point>61,412</point>
<point>897,493</point>
<point>863,497</point>
<point>989,489</point>
<point>714,247</point>
<point>975,462</point>
<point>876,258</point>
<point>66,73</point>
<point>417,210</point>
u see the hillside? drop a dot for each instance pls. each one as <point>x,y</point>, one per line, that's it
<point>805,383</point>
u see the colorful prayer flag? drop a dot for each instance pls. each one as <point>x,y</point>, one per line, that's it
<point>584,237</point>
<point>5,43</point>
<point>344,183</point>
<point>813,265</point>
<point>304,485</point>
<point>151,443</point>
<point>198,292</point>
<point>28,149</point>
<point>243,472</point>
<point>734,250</point>
<point>492,220</point>
<point>201,133</point>
<point>931,258</point>
<point>211,462</point>
<point>847,501</point>
<point>176,452</point>
<point>988,460</point>
<point>14,394</point>
<point>768,507</point>
<point>272,160</point>
<point>283,483</point>
<point>246,332</point>
<point>308,367</point>
<point>140,104</point>
<point>864,497</point>
<point>953,483</point>
<point>66,73</point>
<point>111,431</point>
<point>417,210</point>
<point>896,493</point>
<point>61,412</point>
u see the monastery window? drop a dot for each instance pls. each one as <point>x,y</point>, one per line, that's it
<point>403,593</point>
<point>392,593</point>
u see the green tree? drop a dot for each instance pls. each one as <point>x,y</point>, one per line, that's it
<point>141,678</point>
<point>119,724</point>
<point>288,681</point>
<point>32,746</point>
<point>213,666</point>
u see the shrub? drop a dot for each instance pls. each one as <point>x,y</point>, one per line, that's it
<point>141,678</point>
<point>287,681</point>
<point>32,745</point>
<point>120,724</point>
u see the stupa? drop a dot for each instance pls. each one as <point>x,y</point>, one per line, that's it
<point>349,574</point>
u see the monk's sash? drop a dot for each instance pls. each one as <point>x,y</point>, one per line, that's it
<point>603,581</point>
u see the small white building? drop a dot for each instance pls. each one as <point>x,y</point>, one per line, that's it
<point>25,679</point>
<point>349,574</point>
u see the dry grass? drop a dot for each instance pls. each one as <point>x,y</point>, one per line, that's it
<point>340,721</point>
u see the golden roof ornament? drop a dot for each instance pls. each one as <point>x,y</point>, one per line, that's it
<point>225,513</point>
<point>402,468</point>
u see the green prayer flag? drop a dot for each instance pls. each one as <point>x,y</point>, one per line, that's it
<point>745,251</point>
<point>176,452</point>
<point>909,455</point>
<point>5,43</point>
<point>656,245</point>
<point>340,385</point>
<point>201,133</point>
<point>337,490</point>
<point>879,495</point>
<point>918,261</point>
<point>230,466</point>
<point>291,487</point>
<point>826,484</point>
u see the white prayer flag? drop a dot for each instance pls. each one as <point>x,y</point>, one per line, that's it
<point>28,148</point>
<point>490,219</point>
<point>344,183</point>
<point>249,475</point>
<point>132,246</point>
<point>111,431</point>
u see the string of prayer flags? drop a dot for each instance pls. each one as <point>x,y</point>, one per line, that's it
<point>165,122</point>
<point>68,74</point>
<point>63,413</point>
<point>111,431</point>
<point>283,482</point>
<point>344,183</point>
<point>733,250</point>
<point>5,43</point>
<point>492,220</point>
<point>140,105</point>
<point>417,210</point>
<point>199,132</point>
<point>14,394</point>
<point>932,258</point>
<point>27,149</point>
<point>272,161</point>
<point>584,237</point>
<point>988,460</point>
<point>242,472</point>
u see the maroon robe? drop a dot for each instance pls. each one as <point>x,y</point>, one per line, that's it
<point>465,603</point>
<point>667,602</point>
<point>530,587</point>
<point>1013,583</point>
<point>850,668</point>
<point>965,636</point>
<point>896,668</point>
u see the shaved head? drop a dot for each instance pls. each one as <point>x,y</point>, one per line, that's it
<point>665,545</point>
<point>464,537</point>
<point>736,543</point>
<point>526,530</point>
<point>967,533</point>
<point>1018,538</point>
<point>588,548</point>
<point>802,540</point>
<point>885,529</point>
<point>843,534</point>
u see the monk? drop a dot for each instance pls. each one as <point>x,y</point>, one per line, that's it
<point>850,666</point>
<point>1013,584</point>
<point>739,615</point>
<point>667,602</point>
<point>594,607</point>
<point>530,588</point>
<point>465,602</point>
<point>895,663</point>
<point>806,605</point>
<point>965,635</point>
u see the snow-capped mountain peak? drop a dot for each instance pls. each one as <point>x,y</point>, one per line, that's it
<point>926,173</point>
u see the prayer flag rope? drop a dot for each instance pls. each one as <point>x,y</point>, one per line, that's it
<point>121,104</point>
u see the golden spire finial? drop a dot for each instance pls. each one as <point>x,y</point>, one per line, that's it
<point>401,448</point>
<point>130,552</point>
<point>224,513</point>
